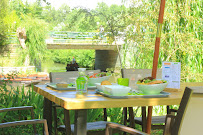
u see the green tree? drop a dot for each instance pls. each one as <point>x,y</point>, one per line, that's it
<point>12,20</point>
<point>112,19</point>
<point>24,7</point>
<point>74,20</point>
<point>3,26</point>
<point>18,6</point>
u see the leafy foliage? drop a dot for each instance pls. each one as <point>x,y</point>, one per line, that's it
<point>84,58</point>
<point>182,31</point>
<point>14,97</point>
<point>36,31</point>
<point>12,20</point>
<point>3,26</point>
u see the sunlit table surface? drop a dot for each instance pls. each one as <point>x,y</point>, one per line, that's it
<point>68,100</point>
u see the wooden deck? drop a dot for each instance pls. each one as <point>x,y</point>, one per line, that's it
<point>95,46</point>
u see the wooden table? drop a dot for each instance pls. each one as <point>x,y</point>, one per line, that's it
<point>68,100</point>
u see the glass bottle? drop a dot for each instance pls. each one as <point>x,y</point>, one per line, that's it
<point>81,82</point>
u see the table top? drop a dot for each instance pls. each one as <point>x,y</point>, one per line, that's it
<point>68,100</point>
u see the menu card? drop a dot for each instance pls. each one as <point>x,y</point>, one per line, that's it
<point>171,73</point>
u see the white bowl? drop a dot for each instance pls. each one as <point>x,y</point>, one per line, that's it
<point>117,90</point>
<point>152,89</point>
<point>92,81</point>
<point>102,88</point>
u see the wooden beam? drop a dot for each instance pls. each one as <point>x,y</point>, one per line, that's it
<point>99,46</point>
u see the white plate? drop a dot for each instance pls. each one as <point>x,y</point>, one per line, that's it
<point>53,85</point>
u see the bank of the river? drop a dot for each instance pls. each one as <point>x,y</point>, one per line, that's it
<point>50,66</point>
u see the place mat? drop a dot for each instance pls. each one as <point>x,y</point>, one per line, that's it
<point>53,85</point>
<point>197,89</point>
<point>135,95</point>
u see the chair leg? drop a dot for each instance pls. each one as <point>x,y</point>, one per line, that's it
<point>55,121</point>
<point>168,109</point>
<point>144,119</point>
<point>67,122</point>
<point>46,128</point>
<point>105,114</point>
<point>131,117</point>
<point>33,117</point>
<point>108,131</point>
<point>125,115</point>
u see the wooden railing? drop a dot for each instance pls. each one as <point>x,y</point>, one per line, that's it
<point>76,37</point>
<point>71,37</point>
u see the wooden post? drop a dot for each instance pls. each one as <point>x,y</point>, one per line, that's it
<point>106,59</point>
<point>155,60</point>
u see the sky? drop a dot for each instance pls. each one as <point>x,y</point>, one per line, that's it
<point>91,4</point>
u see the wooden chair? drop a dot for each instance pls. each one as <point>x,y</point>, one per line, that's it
<point>134,75</point>
<point>24,122</point>
<point>69,128</point>
<point>69,76</point>
<point>173,123</point>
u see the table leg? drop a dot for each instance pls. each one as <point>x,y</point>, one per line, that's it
<point>47,113</point>
<point>80,122</point>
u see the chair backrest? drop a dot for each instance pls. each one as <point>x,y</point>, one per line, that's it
<point>69,77</point>
<point>24,122</point>
<point>135,74</point>
<point>193,113</point>
<point>181,111</point>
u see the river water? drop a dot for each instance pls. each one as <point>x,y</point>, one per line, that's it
<point>50,66</point>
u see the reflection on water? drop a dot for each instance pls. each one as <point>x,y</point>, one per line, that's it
<point>50,66</point>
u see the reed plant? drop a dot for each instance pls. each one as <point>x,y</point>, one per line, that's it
<point>181,39</point>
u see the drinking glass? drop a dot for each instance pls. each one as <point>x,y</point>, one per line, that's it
<point>123,81</point>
